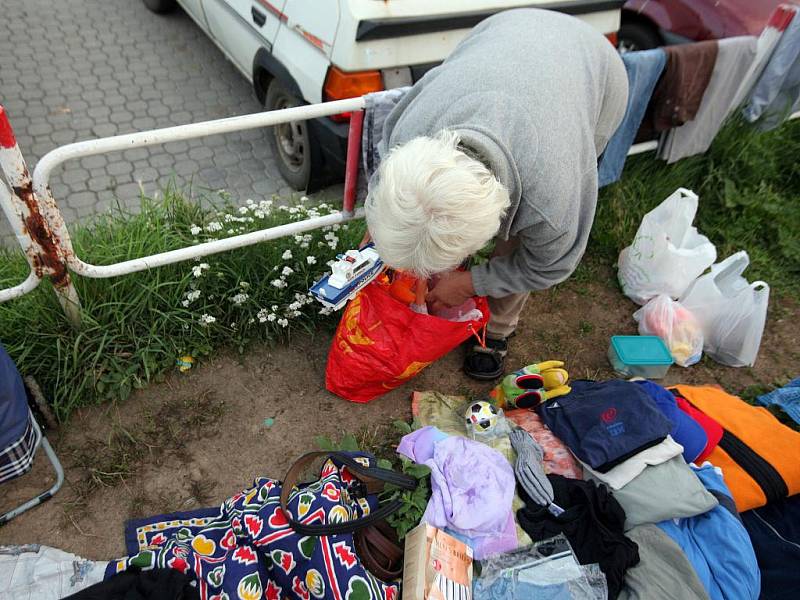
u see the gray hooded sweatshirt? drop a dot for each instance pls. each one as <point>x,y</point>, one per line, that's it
<point>535,95</point>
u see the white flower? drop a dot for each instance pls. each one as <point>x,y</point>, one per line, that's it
<point>239,298</point>
<point>265,205</point>
<point>207,319</point>
<point>278,283</point>
<point>295,305</point>
<point>330,263</point>
<point>287,255</point>
<point>192,296</point>
<point>184,303</point>
<point>244,285</point>
<point>243,210</point>
<point>283,322</point>
<point>303,198</point>
<point>228,218</point>
<point>214,226</point>
<point>287,271</point>
<point>262,315</point>
<point>195,229</point>
<point>325,310</point>
<point>197,270</point>
<point>312,260</point>
<point>336,227</point>
<point>295,313</point>
<point>293,210</point>
<point>231,231</point>
<point>274,308</point>
<point>271,317</point>
<point>259,213</point>
<point>249,202</point>
<point>304,245</point>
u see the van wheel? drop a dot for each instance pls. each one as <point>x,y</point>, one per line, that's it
<point>160,6</point>
<point>292,143</point>
<point>637,36</point>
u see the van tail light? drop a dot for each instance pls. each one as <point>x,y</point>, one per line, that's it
<point>340,85</point>
<point>612,37</point>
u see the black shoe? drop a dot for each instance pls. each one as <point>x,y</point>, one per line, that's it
<point>486,364</point>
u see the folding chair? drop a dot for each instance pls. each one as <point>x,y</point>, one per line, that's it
<point>20,436</point>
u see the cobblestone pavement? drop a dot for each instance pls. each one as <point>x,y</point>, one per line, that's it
<point>71,70</point>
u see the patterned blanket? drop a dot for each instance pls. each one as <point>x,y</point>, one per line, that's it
<point>246,549</point>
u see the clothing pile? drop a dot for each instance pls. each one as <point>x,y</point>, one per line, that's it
<point>683,94</point>
<point>686,492</point>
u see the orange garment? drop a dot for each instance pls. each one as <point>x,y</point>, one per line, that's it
<point>760,431</point>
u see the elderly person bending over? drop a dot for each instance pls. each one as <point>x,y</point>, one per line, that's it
<point>499,142</point>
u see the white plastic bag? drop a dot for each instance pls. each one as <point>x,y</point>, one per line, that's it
<point>731,311</point>
<point>667,253</point>
<point>673,323</point>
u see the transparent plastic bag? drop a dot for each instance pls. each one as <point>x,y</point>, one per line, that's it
<point>731,311</point>
<point>667,253</point>
<point>676,325</point>
<point>547,570</point>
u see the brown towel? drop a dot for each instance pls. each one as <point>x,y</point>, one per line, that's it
<point>679,92</point>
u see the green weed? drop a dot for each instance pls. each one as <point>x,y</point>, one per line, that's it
<point>136,326</point>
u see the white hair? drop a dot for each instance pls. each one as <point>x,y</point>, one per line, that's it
<point>433,206</point>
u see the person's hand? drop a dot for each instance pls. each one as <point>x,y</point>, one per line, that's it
<point>452,289</point>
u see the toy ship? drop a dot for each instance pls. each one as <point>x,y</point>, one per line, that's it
<point>352,271</point>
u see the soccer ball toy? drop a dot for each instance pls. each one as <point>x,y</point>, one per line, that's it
<point>481,416</point>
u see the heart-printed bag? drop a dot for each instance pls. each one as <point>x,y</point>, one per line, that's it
<point>324,539</point>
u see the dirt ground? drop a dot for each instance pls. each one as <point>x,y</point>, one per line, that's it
<point>200,437</point>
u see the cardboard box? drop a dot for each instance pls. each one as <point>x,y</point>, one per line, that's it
<point>436,566</point>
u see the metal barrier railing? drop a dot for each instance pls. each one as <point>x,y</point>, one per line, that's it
<point>51,252</point>
<point>43,235</point>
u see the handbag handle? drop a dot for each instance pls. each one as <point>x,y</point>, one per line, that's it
<point>374,479</point>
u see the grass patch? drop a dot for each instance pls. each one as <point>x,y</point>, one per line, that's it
<point>748,184</point>
<point>136,326</point>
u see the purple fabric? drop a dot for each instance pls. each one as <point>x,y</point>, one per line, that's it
<point>472,487</point>
<point>418,445</point>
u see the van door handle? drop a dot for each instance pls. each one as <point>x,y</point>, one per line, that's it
<point>259,18</point>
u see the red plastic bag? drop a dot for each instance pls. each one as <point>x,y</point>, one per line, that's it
<point>381,343</point>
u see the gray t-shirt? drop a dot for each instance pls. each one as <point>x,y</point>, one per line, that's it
<point>536,95</point>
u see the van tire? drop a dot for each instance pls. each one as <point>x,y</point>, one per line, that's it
<point>161,6</point>
<point>637,35</point>
<point>293,144</point>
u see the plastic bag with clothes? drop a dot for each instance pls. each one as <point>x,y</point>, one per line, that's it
<point>667,253</point>
<point>548,570</point>
<point>676,325</point>
<point>731,311</point>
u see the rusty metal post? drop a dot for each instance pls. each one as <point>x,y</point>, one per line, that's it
<point>45,254</point>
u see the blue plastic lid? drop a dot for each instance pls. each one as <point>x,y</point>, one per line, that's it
<point>641,350</point>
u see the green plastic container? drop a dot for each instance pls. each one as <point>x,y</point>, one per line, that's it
<point>639,356</point>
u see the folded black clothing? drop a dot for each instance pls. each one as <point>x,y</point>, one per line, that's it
<point>593,522</point>
<point>605,422</point>
<point>774,530</point>
<point>135,584</point>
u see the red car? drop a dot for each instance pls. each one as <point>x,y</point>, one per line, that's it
<point>652,23</point>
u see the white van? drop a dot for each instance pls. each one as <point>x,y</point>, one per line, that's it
<point>296,51</point>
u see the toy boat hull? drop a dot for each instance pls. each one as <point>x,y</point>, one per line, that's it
<point>336,298</point>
